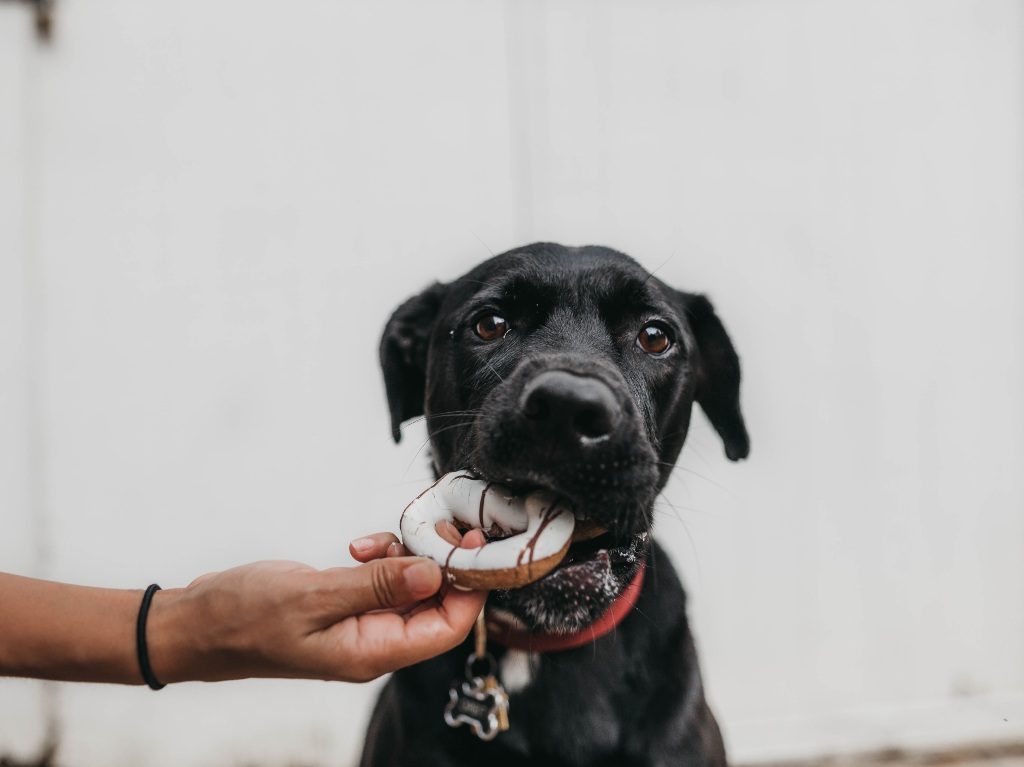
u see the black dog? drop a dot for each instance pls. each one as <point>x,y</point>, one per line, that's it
<point>575,370</point>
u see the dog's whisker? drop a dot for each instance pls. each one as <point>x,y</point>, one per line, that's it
<point>416,455</point>
<point>677,506</point>
<point>656,269</point>
<point>689,536</point>
<point>430,437</point>
<point>452,414</point>
<point>695,473</point>
<point>480,240</point>
<point>645,616</point>
<point>443,414</point>
<point>422,481</point>
<point>449,427</point>
<point>692,448</point>
<point>488,364</point>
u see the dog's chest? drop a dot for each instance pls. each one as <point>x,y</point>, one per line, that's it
<point>564,712</point>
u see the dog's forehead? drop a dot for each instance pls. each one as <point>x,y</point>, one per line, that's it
<point>557,274</point>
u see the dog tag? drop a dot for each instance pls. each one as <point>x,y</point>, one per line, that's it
<point>470,703</point>
<point>493,686</point>
<point>479,701</point>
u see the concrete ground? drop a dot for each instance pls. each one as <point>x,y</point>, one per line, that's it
<point>982,755</point>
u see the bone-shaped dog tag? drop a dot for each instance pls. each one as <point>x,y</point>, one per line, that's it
<point>470,703</point>
<point>493,686</point>
<point>479,701</point>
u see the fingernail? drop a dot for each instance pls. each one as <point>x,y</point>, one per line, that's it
<point>362,544</point>
<point>421,579</point>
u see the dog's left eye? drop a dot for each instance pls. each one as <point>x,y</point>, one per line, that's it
<point>491,327</point>
<point>654,339</point>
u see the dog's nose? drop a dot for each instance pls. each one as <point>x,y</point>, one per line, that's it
<point>559,402</point>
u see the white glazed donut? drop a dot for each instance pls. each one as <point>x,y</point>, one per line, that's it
<point>535,531</point>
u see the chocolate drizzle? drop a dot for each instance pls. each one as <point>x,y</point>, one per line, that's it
<point>539,515</point>
<point>546,517</point>
<point>483,497</point>
<point>447,560</point>
<point>401,519</point>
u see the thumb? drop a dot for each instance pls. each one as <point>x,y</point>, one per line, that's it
<point>382,584</point>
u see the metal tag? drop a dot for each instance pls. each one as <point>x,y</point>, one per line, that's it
<point>484,710</point>
<point>493,686</point>
<point>479,701</point>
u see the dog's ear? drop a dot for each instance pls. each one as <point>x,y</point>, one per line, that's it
<point>403,355</point>
<point>718,375</point>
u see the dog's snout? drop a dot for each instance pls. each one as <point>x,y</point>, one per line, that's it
<point>560,403</point>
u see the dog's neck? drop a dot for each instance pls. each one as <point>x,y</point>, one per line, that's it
<point>507,633</point>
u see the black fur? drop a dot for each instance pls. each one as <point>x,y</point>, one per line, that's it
<point>635,696</point>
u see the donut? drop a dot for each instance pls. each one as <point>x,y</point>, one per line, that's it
<point>533,531</point>
<point>586,529</point>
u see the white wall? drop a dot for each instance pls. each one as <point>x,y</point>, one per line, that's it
<point>207,210</point>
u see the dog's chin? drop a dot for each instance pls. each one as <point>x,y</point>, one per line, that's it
<point>578,591</point>
<point>594,572</point>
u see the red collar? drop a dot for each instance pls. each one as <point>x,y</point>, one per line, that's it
<point>521,639</point>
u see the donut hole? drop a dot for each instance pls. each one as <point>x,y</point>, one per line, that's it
<point>453,532</point>
<point>449,532</point>
<point>535,532</point>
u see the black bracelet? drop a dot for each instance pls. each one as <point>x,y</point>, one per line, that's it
<point>140,640</point>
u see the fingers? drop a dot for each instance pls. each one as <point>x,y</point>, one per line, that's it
<point>381,584</point>
<point>379,545</point>
<point>389,579</point>
<point>387,641</point>
<point>435,631</point>
<point>375,546</point>
<point>429,629</point>
<point>474,539</point>
<point>449,532</point>
<point>370,635</point>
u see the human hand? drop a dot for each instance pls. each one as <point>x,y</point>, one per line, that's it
<point>286,619</point>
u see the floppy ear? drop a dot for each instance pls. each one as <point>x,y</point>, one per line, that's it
<point>718,375</point>
<point>403,355</point>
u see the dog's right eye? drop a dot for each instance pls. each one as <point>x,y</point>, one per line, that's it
<point>491,327</point>
<point>653,339</point>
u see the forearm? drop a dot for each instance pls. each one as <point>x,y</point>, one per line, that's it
<point>56,631</point>
<point>268,619</point>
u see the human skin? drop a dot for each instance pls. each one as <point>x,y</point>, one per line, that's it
<point>266,619</point>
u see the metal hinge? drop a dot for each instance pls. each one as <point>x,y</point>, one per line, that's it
<point>43,11</point>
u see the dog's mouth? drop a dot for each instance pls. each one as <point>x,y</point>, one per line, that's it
<point>590,563</point>
<point>603,549</point>
<point>598,565</point>
<point>580,589</point>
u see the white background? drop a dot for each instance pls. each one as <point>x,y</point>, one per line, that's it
<point>207,211</point>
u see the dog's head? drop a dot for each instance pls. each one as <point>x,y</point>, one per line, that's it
<point>571,369</point>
